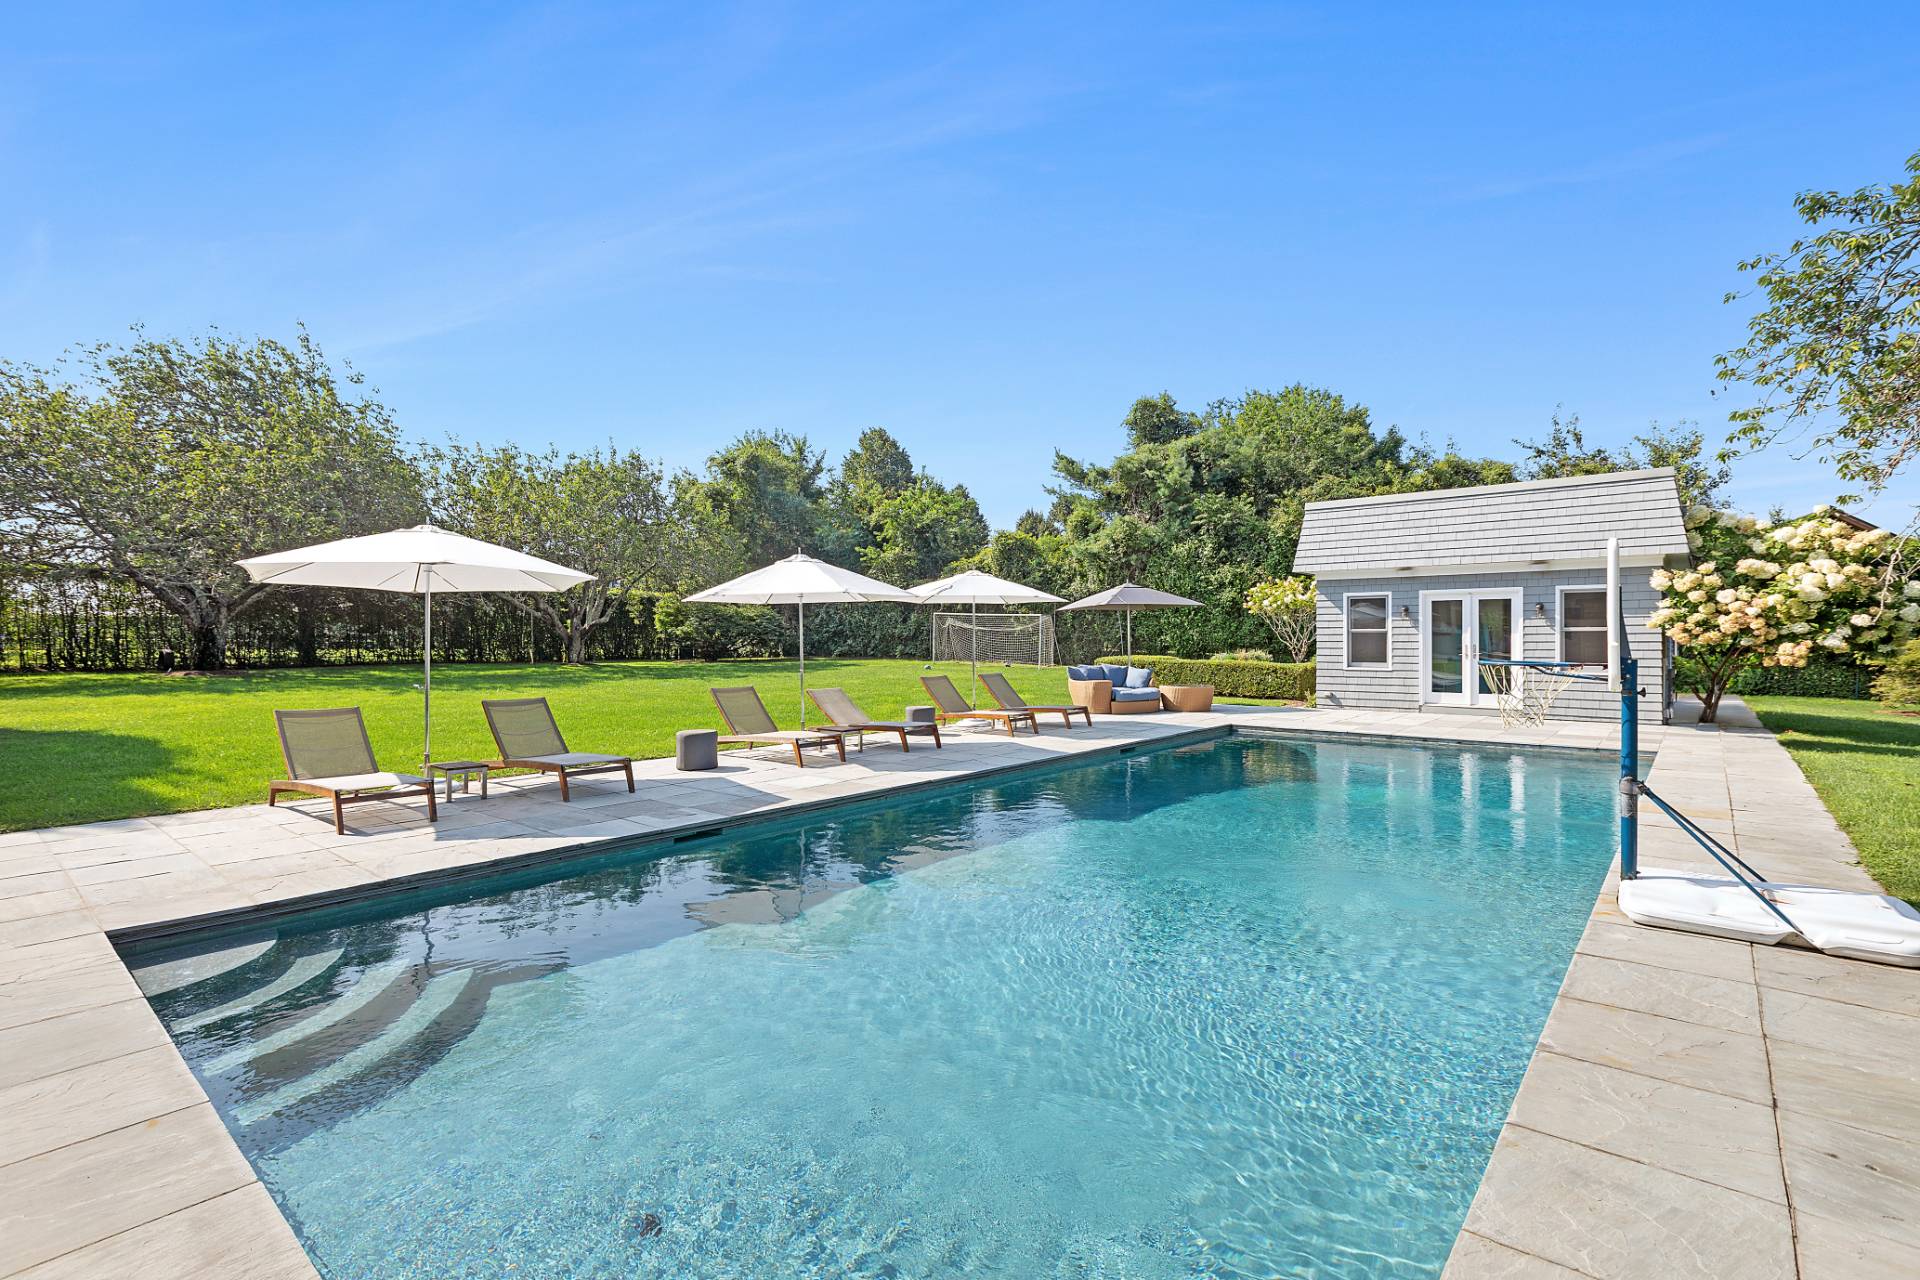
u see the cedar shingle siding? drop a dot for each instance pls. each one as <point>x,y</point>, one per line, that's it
<point>1404,545</point>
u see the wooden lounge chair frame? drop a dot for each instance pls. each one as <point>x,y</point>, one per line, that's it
<point>954,707</point>
<point>330,786</point>
<point>843,713</point>
<point>564,764</point>
<point>1002,691</point>
<point>760,729</point>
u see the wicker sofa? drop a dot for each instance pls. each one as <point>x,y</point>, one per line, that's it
<point>1112,689</point>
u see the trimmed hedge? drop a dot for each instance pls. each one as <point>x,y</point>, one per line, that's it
<point>1231,679</point>
<point>1821,678</point>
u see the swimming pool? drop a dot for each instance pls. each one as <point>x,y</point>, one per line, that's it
<point>1237,1008</point>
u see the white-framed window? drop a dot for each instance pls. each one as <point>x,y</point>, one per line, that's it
<point>1368,641</point>
<point>1583,625</point>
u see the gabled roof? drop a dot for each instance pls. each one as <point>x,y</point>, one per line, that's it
<point>1559,521</point>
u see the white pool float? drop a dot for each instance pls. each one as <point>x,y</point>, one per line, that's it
<point>1858,926</point>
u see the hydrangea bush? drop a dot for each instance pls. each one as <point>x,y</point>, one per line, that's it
<point>1286,605</point>
<point>1776,595</point>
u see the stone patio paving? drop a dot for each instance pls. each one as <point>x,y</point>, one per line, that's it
<point>1695,1107</point>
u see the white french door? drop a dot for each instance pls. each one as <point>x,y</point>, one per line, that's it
<point>1457,629</point>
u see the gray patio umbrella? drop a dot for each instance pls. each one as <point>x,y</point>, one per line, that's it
<point>1127,597</point>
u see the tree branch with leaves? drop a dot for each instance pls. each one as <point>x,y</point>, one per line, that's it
<point>1835,352</point>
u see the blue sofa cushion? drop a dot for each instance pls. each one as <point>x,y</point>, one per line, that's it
<point>1139,677</point>
<point>1086,673</point>
<point>1115,672</point>
<point>1136,695</point>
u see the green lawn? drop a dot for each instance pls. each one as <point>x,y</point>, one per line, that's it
<point>81,748</point>
<point>1865,762</point>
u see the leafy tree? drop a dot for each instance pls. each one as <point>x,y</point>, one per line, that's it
<point>1286,605</point>
<point>920,532</point>
<point>1212,513</point>
<point>609,514</point>
<point>1565,452</point>
<point>165,461</point>
<point>1773,595</point>
<point>1836,349</point>
<point>1899,683</point>
<point>1034,523</point>
<point>1158,420</point>
<point>906,526</point>
<point>876,468</point>
<point>761,500</point>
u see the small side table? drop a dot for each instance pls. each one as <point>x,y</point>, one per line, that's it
<point>464,770</point>
<point>696,749</point>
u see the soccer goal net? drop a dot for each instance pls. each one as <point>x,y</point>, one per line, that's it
<point>1003,638</point>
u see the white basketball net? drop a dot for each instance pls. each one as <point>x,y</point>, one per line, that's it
<point>1525,694</point>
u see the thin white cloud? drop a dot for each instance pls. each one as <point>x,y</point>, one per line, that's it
<point>1606,169</point>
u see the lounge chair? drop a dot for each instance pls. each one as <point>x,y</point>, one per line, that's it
<point>954,707</point>
<point>843,713</point>
<point>1009,698</point>
<point>328,754</point>
<point>748,721</point>
<point>528,738</point>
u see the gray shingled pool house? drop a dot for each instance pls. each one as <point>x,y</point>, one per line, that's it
<point>1414,589</point>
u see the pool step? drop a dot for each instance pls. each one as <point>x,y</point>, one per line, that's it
<point>368,986</point>
<point>299,973</point>
<point>172,975</point>
<point>440,993</point>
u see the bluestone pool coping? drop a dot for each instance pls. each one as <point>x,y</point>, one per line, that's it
<point>1674,1119</point>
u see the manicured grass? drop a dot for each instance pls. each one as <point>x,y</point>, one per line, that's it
<point>81,748</point>
<point>1865,762</point>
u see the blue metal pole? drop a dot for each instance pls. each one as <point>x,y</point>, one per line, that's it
<point>1629,768</point>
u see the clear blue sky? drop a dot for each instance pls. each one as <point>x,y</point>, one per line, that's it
<point>985,228</point>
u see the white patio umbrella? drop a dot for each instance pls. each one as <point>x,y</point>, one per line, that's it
<point>974,588</point>
<point>418,561</point>
<point>1127,597</point>
<point>801,580</point>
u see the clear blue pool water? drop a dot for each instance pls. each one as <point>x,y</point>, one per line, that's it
<point>1244,1008</point>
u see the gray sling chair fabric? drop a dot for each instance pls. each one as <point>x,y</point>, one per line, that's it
<point>1008,697</point>
<point>748,722</point>
<point>328,754</point>
<point>954,707</point>
<point>842,712</point>
<point>524,731</point>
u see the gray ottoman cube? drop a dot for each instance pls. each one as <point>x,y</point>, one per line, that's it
<point>696,749</point>
<point>922,715</point>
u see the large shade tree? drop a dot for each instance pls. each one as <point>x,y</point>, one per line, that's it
<point>1208,505</point>
<point>163,461</point>
<point>610,514</point>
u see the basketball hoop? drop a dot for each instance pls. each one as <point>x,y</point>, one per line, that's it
<point>1525,691</point>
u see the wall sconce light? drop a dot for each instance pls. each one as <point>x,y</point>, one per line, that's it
<point>1406,613</point>
<point>1540,610</point>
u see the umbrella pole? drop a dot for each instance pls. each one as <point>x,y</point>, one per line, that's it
<point>426,685</point>
<point>1129,617</point>
<point>973,690</point>
<point>803,664</point>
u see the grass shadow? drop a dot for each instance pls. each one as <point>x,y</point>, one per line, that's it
<point>56,777</point>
